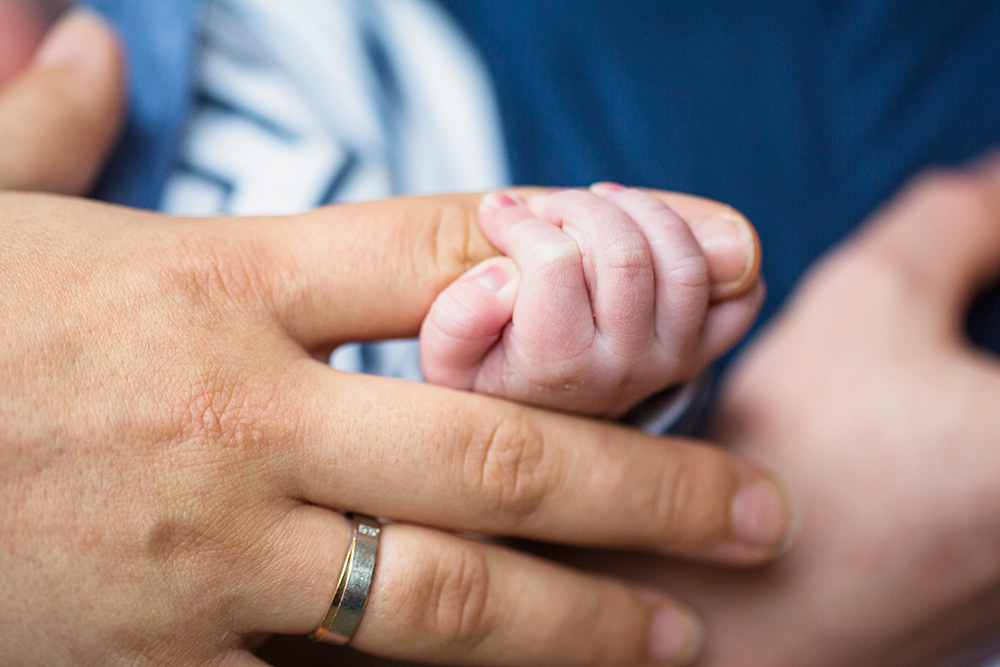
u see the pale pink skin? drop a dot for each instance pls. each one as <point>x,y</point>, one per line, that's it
<point>603,299</point>
<point>22,25</point>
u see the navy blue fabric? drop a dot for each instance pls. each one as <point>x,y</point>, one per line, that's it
<point>805,115</point>
<point>160,40</point>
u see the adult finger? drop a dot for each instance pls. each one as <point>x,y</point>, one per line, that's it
<point>372,270</point>
<point>507,469</point>
<point>59,119</point>
<point>728,240</point>
<point>438,597</point>
<point>942,235</point>
<point>727,322</point>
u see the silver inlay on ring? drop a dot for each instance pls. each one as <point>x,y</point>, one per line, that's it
<point>355,583</point>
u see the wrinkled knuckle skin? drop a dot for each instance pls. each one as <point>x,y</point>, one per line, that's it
<point>686,298</point>
<point>456,243</point>
<point>450,599</point>
<point>230,411</point>
<point>225,430</point>
<point>670,501</point>
<point>691,273</point>
<point>507,469</point>
<point>213,270</point>
<point>628,259</point>
<point>456,314</point>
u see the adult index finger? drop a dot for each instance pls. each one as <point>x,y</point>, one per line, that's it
<point>371,271</point>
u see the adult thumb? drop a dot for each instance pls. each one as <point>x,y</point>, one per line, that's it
<point>942,234</point>
<point>60,118</point>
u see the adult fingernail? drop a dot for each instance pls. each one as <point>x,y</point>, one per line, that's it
<point>763,515</point>
<point>498,200</point>
<point>729,245</point>
<point>676,637</point>
<point>70,42</point>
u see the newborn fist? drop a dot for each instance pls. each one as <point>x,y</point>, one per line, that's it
<point>604,298</point>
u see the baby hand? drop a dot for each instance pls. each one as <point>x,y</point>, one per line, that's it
<point>604,298</point>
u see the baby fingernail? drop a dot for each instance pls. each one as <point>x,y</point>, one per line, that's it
<point>494,278</point>
<point>606,188</point>
<point>498,200</point>
<point>729,247</point>
<point>676,637</point>
<point>763,515</point>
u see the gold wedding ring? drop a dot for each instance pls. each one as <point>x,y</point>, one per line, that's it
<point>354,585</point>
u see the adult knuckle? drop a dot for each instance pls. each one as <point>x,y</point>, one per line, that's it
<point>677,502</point>
<point>204,550</point>
<point>215,409</point>
<point>455,242</point>
<point>200,551</point>
<point>171,534</point>
<point>212,269</point>
<point>668,503</point>
<point>508,468</point>
<point>234,414</point>
<point>938,199</point>
<point>456,608</point>
<point>876,263</point>
<point>209,550</point>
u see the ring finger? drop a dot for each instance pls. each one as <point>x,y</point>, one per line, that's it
<point>452,600</point>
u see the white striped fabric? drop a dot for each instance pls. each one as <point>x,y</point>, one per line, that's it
<point>302,103</point>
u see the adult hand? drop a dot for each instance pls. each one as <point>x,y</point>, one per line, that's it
<point>173,443</point>
<point>867,398</point>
